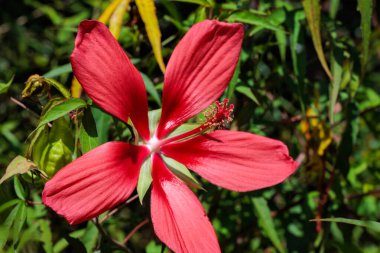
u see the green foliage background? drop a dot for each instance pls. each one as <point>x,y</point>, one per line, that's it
<point>280,90</point>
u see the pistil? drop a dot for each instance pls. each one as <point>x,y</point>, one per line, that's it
<point>217,116</point>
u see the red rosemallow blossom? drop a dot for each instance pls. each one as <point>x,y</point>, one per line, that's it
<point>198,72</point>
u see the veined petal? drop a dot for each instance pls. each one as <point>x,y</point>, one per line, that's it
<point>234,160</point>
<point>199,70</point>
<point>108,76</point>
<point>177,215</point>
<point>95,182</point>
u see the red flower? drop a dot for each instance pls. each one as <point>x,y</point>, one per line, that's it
<point>199,70</point>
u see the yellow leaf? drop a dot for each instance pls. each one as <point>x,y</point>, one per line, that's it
<point>76,88</point>
<point>106,15</point>
<point>147,11</point>
<point>116,21</point>
<point>313,14</point>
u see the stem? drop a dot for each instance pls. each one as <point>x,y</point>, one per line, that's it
<point>112,212</point>
<point>19,103</point>
<point>135,230</point>
<point>113,241</point>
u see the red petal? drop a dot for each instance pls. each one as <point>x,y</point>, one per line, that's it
<point>178,217</point>
<point>97,181</point>
<point>108,76</point>
<point>234,160</point>
<point>199,70</point>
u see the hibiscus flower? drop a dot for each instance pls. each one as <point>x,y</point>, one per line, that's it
<point>198,72</point>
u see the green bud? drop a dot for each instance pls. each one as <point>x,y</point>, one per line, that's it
<point>35,85</point>
<point>54,157</point>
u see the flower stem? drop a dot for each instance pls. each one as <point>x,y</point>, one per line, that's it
<point>135,230</point>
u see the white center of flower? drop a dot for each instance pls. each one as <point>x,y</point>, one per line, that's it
<point>153,144</point>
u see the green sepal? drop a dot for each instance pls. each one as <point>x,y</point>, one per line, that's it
<point>154,118</point>
<point>145,179</point>
<point>186,127</point>
<point>180,171</point>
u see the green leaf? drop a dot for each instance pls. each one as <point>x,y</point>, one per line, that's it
<point>365,8</point>
<point>337,71</point>
<point>103,122</point>
<point>248,92</point>
<point>46,235</point>
<point>6,225</point>
<point>151,89</point>
<point>295,40</point>
<point>266,222</point>
<point>313,15</point>
<point>181,172</point>
<point>204,3</point>
<point>88,135</point>
<point>19,165</point>
<point>334,6</point>
<point>145,179</point>
<point>19,222</point>
<point>60,87</point>
<point>254,19</point>
<point>61,110</point>
<point>371,225</point>
<point>19,189</point>
<point>5,86</point>
<point>9,204</point>
<point>59,71</point>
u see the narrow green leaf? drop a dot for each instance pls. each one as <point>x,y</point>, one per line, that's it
<point>181,172</point>
<point>281,41</point>
<point>61,110</point>
<point>19,222</point>
<point>248,92</point>
<point>6,225</point>
<point>251,18</point>
<point>371,225</point>
<point>60,87</point>
<point>337,71</point>
<point>19,165</point>
<point>9,204</point>
<point>234,81</point>
<point>334,6</point>
<point>313,14</point>
<point>151,89</point>
<point>145,179</point>
<point>204,3</point>
<point>19,189</point>
<point>46,235</point>
<point>294,40</point>
<point>266,222</point>
<point>59,71</point>
<point>5,86</point>
<point>365,8</point>
<point>88,135</point>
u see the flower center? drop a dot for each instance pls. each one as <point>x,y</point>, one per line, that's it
<point>153,144</point>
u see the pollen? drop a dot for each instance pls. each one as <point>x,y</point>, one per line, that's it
<point>218,116</point>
